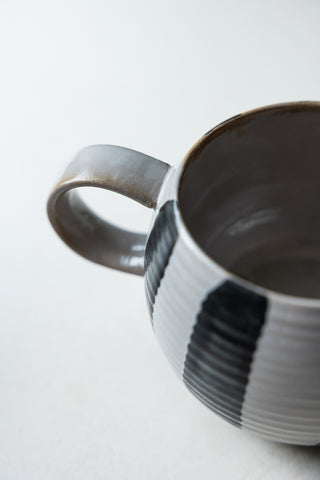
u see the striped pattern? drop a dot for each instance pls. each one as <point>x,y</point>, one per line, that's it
<point>254,361</point>
<point>282,400</point>
<point>185,282</point>
<point>221,347</point>
<point>158,250</point>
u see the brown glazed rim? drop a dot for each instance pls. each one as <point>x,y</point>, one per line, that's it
<point>191,157</point>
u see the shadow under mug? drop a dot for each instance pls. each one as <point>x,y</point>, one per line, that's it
<point>231,261</point>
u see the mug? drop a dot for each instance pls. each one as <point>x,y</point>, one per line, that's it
<point>231,261</point>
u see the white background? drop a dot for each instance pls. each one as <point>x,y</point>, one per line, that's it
<point>85,391</point>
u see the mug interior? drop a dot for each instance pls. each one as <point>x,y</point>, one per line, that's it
<point>249,195</point>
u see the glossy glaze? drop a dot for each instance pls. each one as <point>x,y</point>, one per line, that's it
<point>236,221</point>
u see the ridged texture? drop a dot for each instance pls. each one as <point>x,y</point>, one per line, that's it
<point>282,401</point>
<point>255,361</point>
<point>221,347</point>
<point>185,283</point>
<point>158,250</point>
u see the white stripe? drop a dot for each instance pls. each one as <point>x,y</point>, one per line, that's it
<point>186,283</point>
<point>282,400</point>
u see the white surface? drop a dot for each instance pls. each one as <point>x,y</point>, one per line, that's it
<point>86,392</point>
<point>172,302</point>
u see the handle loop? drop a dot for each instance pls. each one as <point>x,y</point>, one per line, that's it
<point>114,168</point>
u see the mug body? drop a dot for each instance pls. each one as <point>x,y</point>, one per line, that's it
<point>232,271</point>
<point>231,262</point>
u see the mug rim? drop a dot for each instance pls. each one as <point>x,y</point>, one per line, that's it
<point>202,255</point>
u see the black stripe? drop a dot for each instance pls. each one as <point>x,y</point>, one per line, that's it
<point>158,250</point>
<point>221,348</point>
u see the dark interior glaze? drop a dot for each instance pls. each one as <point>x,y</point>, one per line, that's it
<point>249,195</point>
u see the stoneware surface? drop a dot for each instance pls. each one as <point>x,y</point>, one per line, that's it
<point>86,391</point>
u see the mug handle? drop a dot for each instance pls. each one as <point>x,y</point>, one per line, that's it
<point>114,168</point>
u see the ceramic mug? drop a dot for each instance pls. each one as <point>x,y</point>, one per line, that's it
<point>231,262</point>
